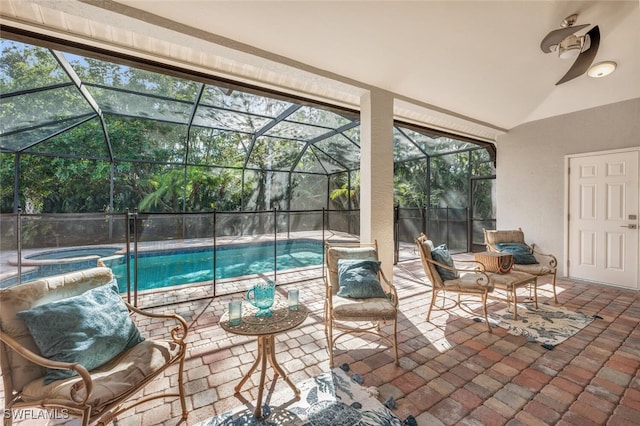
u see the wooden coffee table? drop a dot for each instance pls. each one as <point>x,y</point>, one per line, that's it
<point>511,282</point>
<point>265,328</point>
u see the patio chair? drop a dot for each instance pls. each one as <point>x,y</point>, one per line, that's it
<point>54,330</point>
<point>359,298</point>
<point>527,257</point>
<point>446,278</point>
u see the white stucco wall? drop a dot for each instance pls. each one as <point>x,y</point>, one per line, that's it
<point>530,176</point>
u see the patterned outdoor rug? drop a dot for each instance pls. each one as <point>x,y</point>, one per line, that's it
<point>330,399</point>
<point>548,325</point>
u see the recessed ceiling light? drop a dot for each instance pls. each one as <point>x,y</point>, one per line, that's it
<point>602,69</point>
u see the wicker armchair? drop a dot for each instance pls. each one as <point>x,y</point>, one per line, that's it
<point>469,282</point>
<point>547,263</point>
<point>357,315</point>
<point>96,396</point>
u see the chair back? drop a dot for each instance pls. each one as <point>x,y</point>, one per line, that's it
<point>493,237</point>
<point>337,251</point>
<point>16,370</point>
<point>425,246</point>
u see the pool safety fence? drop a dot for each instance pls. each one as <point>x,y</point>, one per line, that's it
<point>151,252</point>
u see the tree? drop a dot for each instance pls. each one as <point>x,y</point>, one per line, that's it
<point>342,193</point>
<point>410,183</point>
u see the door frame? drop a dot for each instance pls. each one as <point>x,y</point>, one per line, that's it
<point>567,161</point>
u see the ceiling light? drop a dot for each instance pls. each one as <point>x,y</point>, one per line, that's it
<point>602,69</point>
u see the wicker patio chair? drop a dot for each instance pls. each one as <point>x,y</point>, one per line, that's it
<point>357,313</point>
<point>461,282</point>
<point>512,241</point>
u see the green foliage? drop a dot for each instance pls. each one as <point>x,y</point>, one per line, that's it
<point>450,180</point>
<point>204,191</point>
<point>343,196</point>
<point>410,183</point>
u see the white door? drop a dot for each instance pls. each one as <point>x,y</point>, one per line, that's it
<point>604,204</point>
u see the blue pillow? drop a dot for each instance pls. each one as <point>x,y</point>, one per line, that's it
<point>89,329</point>
<point>522,254</point>
<point>441,254</point>
<point>358,278</point>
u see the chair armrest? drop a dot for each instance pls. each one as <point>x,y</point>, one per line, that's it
<point>389,288</point>
<point>178,333</point>
<point>483,278</point>
<point>547,257</point>
<point>35,358</point>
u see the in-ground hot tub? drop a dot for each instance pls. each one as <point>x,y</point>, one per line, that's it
<point>60,261</point>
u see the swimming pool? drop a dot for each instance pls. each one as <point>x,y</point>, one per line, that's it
<point>160,269</point>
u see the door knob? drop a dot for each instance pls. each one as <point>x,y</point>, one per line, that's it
<point>630,226</point>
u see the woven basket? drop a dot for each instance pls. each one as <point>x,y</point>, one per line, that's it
<point>495,262</point>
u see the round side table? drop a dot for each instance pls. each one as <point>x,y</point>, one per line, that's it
<point>265,328</point>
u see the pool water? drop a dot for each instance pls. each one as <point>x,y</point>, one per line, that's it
<point>169,268</point>
<point>73,253</point>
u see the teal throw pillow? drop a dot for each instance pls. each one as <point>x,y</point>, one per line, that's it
<point>89,329</point>
<point>358,278</point>
<point>441,255</point>
<point>522,254</point>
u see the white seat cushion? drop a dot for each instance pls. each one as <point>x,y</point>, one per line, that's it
<point>535,269</point>
<point>111,380</point>
<point>347,309</point>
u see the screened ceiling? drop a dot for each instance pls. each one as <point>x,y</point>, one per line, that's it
<point>49,96</point>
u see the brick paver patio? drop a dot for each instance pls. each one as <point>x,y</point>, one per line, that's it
<point>452,371</point>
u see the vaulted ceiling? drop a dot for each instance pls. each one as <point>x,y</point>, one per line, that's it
<point>470,67</point>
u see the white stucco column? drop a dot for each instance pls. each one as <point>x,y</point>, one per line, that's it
<point>376,174</point>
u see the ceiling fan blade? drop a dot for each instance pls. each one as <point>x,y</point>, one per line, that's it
<point>584,60</point>
<point>556,36</point>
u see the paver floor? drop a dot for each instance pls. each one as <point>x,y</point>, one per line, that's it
<point>452,371</point>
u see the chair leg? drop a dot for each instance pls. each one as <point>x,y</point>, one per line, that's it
<point>330,349</point>
<point>328,331</point>
<point>330,344</point>
<point>434,295</point>
<point>553,283</point>
<point>183,402</point>
<point>395,339</point>
<point>484,310</point>
<point>86,416</point>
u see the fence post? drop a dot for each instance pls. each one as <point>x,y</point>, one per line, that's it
<point>275,245</point>
<point>323,241</point>
<point>135,257</point>
<point>427,220</point>
<point>469,229</point>
<point>396,233</point>
<point>447,221</point>
<point>215,251</point>
<point>127,232</point>
<point>19,243</point>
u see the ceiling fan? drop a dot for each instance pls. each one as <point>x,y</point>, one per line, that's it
<point>569,45</point>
